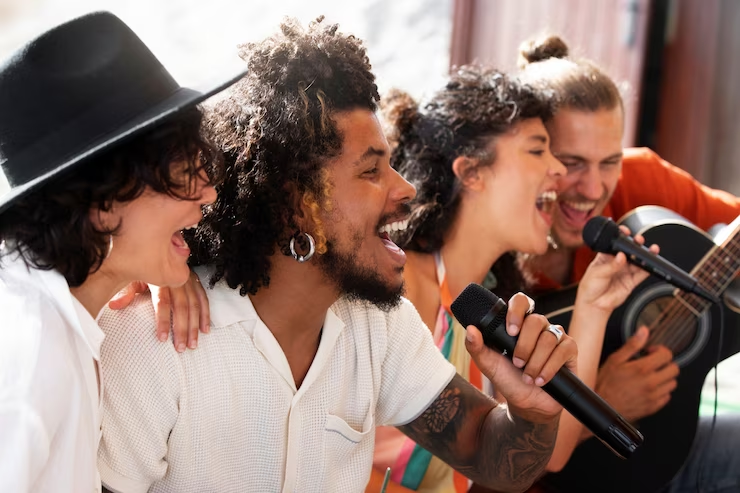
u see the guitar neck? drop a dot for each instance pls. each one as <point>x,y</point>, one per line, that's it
<point>719,266</point>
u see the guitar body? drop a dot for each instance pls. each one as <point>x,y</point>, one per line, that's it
<point>669,433</point>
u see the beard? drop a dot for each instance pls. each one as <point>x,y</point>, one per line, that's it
<point>356,281</point>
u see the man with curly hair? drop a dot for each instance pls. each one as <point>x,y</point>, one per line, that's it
<point>311,345</point>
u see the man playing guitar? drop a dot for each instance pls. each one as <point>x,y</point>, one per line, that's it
<point>604,179</point>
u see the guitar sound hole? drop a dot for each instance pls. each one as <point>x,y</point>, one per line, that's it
<point>668,327</point>
<point>670,322</point>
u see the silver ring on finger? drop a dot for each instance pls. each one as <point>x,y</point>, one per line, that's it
<point>530,310</point>
<point>556,331</point>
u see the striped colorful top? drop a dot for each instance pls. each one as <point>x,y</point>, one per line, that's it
<point>412,466</point>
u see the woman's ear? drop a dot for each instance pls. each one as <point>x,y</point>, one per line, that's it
<point>467,170</point>
<point>103,220</point>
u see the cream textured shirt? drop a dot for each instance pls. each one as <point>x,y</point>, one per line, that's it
<point>49,397</point>
<point>227,416</point>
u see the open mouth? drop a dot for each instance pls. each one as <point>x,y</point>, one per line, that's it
<point>394,250</point>
<point>394,226</point>
<point>577,212</point>
<point>546,201</point>
<point>179,241</point>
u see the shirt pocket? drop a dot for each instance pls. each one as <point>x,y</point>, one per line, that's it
<point>342,441</point>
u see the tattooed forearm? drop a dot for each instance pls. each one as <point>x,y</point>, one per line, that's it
<point>471,433</point>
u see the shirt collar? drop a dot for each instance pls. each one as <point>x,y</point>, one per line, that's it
<point>58,291</point>
<point>228,307</point>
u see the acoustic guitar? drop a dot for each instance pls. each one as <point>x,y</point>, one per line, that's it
<point>683,322</point>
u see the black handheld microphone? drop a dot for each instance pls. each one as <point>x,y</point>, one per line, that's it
<point>602,234</point>
<point>478,306</point>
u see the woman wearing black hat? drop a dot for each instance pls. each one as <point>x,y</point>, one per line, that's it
<point>105,163</point>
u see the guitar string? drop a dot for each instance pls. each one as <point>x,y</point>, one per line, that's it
<point>719,264</point>
<point>679,333</point>
<point>672,330</point>
<point>672,319</point>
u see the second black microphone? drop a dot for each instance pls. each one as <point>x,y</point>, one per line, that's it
<point>479,307</point>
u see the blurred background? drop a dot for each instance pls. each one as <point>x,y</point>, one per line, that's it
<point>408,41</point>
<point>676,58</point>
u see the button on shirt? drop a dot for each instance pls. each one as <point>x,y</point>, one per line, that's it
<point>228,417</point>
<point>49,396</point>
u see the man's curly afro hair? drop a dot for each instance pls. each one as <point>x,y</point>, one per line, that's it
<point>277,131</point>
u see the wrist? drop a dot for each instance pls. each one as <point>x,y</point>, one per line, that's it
<point>591,308</point>
<point>528,417</point>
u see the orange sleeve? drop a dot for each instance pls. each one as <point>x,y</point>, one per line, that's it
<point>649,180</point>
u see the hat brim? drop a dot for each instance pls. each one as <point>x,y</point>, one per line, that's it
<point>182,99</point>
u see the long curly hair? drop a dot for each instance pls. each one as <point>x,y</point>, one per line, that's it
<point>476,105</point>
<point>276,130</point>
<point>51,227</point>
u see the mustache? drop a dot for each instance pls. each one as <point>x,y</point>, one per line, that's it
<point>402,212</point>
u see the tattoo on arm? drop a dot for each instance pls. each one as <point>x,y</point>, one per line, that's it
<point>479,438</point>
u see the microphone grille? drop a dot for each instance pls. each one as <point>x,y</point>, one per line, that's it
<point>473,304</point>
<point>599,234</point>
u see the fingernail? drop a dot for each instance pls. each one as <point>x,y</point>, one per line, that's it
<point>518,362</point>
<point>206,329</point>
<point>181,347</point>
<point>193,344</point>
<point>162,337</point>
<point>468,337</point>
<point>539,381</point>
<point>526,379</point>
<point>513,330</point>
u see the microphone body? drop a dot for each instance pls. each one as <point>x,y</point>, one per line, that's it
<point>479,307</point>
<point>602,234</point>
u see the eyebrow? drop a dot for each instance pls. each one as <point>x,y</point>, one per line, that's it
<point>539,138</point>
<point>561,155</point>
<point>371,152</point>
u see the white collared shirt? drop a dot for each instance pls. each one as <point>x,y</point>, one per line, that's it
<point>228,417</point>
<point>49,395</point>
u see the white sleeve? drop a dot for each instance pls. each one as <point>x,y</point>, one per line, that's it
<point>414,371</point>
<point>24,446</point>
<point>141,390</point>
<point>24,436</point>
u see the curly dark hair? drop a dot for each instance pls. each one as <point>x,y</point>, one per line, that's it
<point>276,131</point>
<point>51,227</point>
<point>476,105</point>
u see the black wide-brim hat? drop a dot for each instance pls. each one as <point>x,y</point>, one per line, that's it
<point>77,90</point>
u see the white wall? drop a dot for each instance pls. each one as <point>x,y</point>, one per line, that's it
<point>407,40</point>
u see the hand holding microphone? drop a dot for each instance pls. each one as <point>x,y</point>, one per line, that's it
<point>479,307</point>
<point>602,234</point>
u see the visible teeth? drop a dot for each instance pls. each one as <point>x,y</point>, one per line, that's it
<point>549,196</point>
<point>581,206</point>
<point>394,226</point>
<point>191,227</point>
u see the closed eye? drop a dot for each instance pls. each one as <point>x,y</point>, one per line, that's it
<point>574,167</point>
